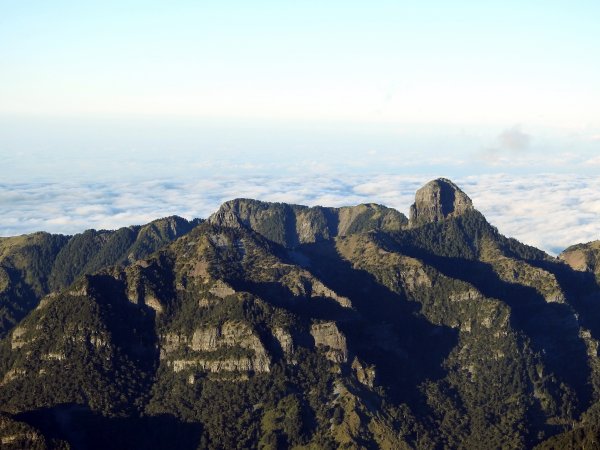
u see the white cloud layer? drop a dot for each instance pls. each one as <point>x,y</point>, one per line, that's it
<point>549,211</point>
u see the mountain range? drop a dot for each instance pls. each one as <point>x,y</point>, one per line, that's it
<point>270,325</point>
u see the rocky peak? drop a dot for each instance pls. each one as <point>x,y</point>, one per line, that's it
<point>234,213</point>
<point>292,225</point>
<point>438,200</point>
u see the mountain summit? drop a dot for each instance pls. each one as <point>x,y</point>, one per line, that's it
<point>438,200</point>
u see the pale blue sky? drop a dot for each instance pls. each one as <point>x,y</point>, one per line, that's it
<point>250,81</point>
<point>443,62</point>
<point>124,91</point>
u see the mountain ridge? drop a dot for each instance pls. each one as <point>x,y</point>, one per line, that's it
<point>33,265</point>
<point>270,325</point>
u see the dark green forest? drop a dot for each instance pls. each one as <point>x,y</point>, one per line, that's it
<point>281,326</point>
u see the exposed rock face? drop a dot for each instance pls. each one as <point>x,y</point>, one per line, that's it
<point>313,224</point>
<point>230,334</point>
<point>138,290</point>
<point>413,275</point>
<point>154,303</point>
<point>302,283</point>
<point>291,225</point>
<point>238,364</point>
<point>583,257</point>
<point>527,275</point>
<point>284,338</point>
<point>221,289</point>
<point>438,200</point>
<point>364,374</point>
<point>577,259</point>
<point>328,336</point>
<point>11,375</point>
<point>17,340</point>
<point>218,349</point>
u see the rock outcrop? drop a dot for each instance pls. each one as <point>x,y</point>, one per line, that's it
<point>364,374</point>
<point>231,347</point>
<point>438,200</point>
<point>292,225</point>
<point>285,340</point>
<point>583,257</point>
<point>331,340</point>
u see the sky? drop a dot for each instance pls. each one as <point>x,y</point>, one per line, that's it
<point>306,102</point>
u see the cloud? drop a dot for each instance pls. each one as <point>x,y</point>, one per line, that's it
<point>595,161</point>
<point>549,211</point>
<point>509,149</point>
<point>514,139</point>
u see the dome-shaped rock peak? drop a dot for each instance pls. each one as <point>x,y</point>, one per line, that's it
<point>438,200</point>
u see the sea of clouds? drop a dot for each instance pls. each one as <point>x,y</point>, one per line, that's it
<point>549,211</point>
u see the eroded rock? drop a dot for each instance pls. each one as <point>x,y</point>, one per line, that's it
<point>438,200</point>
<point>233,346</point>
<point>329,337</point>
